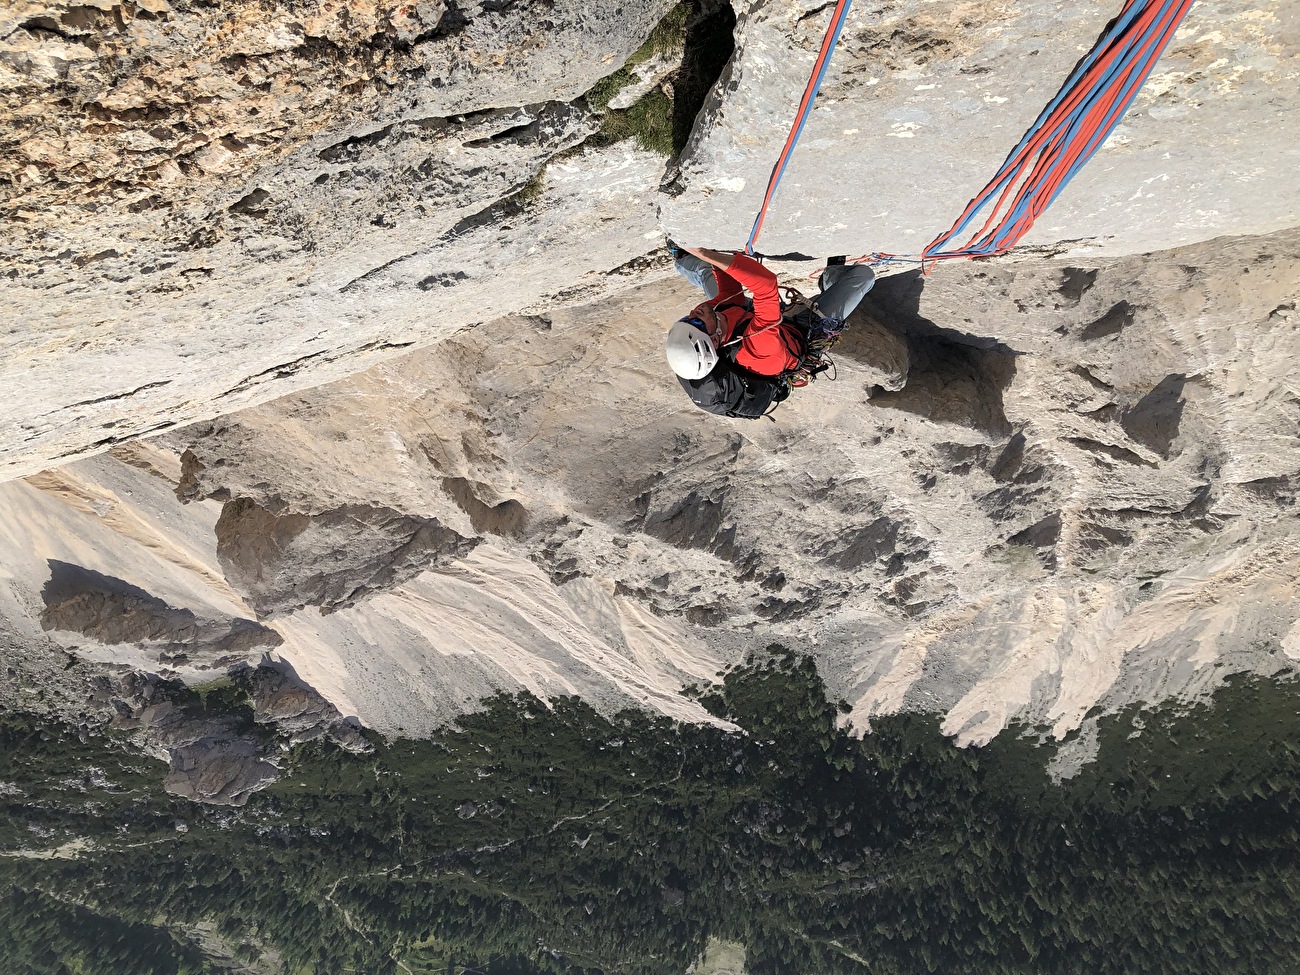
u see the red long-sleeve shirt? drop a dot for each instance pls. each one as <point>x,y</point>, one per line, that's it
<point>769,346</point>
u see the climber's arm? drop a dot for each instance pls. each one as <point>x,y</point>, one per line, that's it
<point>719,259</point>
<point>761,284</point>
<point>736,271</point>
<point>729,289</point>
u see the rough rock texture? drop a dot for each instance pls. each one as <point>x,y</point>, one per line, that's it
<point>282,700</point>
<point>129,119</point>
<point>283,562</point>
<point>223,757</point>
<point>445,639</point>
<point>1083,493</point>
<point>1038,486</point>
<point>208,205</point>
<point>111,593</point>
<point>112,611</point>
<point>213,757</point>
<point>210,765</point>
<point>924,100</point>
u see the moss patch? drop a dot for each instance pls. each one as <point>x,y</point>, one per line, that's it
<point>660,121</point>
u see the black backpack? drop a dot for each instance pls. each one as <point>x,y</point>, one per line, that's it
<point>735,392</point>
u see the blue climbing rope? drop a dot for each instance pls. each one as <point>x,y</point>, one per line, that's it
<point>1073,126</point>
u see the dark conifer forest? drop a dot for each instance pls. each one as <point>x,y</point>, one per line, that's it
<point>551,839</point>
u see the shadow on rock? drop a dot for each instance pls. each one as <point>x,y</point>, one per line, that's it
<point>114,612</point>
<point>897,300</point>
<point>1154,421</point>
<point>943,374</point>
<point>950,383</point>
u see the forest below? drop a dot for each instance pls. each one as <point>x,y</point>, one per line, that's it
<point>534,838</point>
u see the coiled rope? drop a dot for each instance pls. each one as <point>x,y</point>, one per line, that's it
<point>1062,139</point>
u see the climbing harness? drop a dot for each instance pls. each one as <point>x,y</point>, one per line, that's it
<point>1062,139</point>
<point>818,336</point>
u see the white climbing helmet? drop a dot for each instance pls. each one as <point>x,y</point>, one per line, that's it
<point>690,350</point>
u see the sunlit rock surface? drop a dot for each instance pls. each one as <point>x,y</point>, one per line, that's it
<point>1083,495</point>
<point>1060,480</point>
<point>924,101</point>
<point>395,336</point>
<point>207,206</point>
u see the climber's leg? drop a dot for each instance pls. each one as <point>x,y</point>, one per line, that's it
<point>699,273</point>
<point>844,285</point>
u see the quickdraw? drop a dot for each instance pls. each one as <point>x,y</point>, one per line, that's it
<point>822,335</point>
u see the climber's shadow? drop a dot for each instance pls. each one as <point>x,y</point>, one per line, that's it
<point>953,376</point>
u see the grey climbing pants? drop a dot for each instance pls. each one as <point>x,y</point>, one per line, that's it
<point>844,285</point>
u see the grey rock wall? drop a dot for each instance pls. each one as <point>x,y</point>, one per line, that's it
<point>330,560</point>
<point>207,206</point>
<point>1081,495</point>
<point>924,101</point>
<point>1081,491</point>
<point>401,337</point>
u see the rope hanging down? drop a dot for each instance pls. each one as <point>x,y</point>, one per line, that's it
<point>805,107</point>
<point>1062,139</point>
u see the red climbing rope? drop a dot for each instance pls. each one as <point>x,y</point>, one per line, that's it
<point>805,106</point>
<point>1065,136</point>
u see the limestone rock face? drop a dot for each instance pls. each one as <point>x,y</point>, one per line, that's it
<point>284,562</point>
<point>281,700</point>
<point>398,336</point>
<point>138,119</point>
<point>209,205</point>
<point>221,758</point>
<point>437,641</point>
<point>1082,494</point>
<point>216,769</point>
<point>212,758</point>
<point>925,100</point>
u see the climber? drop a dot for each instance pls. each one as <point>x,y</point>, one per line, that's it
<point>734,355</point>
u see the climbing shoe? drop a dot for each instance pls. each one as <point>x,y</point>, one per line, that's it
<point>673,249</point>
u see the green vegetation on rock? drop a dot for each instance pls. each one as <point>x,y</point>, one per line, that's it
<point>551,839</point>
<point>667,40</point>
<point>697,40</point>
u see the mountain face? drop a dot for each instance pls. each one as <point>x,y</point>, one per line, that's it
<point>242,196</point>
<point>1095,508</point>
<point>1059,480</point>
<point>338,439</point>
<point>208,206</point>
